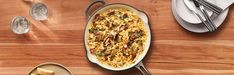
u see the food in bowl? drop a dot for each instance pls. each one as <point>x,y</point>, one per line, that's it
<point>117,37</point>
<point>41,71</point>
<point>50,69</point>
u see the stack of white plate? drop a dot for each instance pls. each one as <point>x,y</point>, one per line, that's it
<point>190,22</point>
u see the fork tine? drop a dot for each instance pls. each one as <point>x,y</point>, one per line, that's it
<point>210,6</point>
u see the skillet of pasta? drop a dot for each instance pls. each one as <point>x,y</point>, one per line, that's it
<point>117,37</point>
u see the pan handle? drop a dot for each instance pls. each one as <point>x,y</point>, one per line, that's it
<point>140,66</point>
<point>90,5</point>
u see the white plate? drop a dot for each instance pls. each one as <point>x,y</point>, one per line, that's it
<point>197,28</point>
<point>189,17</point>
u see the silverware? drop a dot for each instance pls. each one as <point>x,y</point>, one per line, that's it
<point>204,12</point>
<point>217,10</point>
<point>191,8</point>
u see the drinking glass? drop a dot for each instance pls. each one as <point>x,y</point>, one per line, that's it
<point>39,11</point>
<point>20,25</point>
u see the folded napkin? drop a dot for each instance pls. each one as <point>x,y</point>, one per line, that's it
<point>224,3</point>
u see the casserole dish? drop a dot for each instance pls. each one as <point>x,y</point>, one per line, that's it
<point>138,62</point>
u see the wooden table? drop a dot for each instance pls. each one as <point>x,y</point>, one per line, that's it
<point>174,50</point>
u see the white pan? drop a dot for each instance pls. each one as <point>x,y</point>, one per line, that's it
<point>92,58</point>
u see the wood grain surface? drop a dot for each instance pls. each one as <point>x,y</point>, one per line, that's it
<point>174,51</point>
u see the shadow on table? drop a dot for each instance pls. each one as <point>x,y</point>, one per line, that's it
<point>132,71</point>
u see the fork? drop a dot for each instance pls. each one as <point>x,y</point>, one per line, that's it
<point>205,14</point>
<point>217,10</point>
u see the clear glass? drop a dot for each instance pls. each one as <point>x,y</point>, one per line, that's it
<point>20,25</point>
<point>39,11</point>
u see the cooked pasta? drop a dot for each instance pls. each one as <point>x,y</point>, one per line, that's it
<point>117,37</point>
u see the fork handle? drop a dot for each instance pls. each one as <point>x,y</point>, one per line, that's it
<point>209,21</point>
<point>203,21</point>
